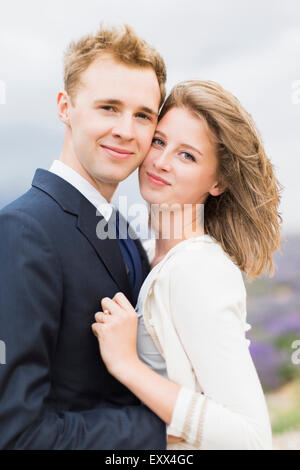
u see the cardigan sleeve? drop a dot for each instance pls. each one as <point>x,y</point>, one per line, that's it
<point>207,296</point>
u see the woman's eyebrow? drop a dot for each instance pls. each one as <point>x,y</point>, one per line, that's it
<point>193,148</point>
<point>180,145</point>
<point>160,133</point>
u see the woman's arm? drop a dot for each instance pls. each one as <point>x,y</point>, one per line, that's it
<point>120,328</point>
<point>154,390</point>
<point>206,305</point>
<point>210,321</point>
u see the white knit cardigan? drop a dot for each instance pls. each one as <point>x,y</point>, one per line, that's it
<point>195,312</point>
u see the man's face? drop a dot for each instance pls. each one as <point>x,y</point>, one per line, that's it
<point>112,120</point>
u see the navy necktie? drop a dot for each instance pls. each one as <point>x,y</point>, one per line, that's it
<point>130,255</point>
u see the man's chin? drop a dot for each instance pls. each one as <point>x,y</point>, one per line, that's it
<point>112,180</point>
<point>114,176</point>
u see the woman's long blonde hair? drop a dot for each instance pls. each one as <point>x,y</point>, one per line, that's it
<point>245,217</point>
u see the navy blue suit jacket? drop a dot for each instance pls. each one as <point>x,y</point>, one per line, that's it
<point>55,391</point>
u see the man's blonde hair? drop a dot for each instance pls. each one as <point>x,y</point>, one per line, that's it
<point>122,43</point>
<point>245,217</point>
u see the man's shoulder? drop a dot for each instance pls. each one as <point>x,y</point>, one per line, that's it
<point>32,205</point>
<point>32,197</point>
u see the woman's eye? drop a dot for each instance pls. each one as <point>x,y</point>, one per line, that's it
<point>158,141</point>
<point>188,156</point>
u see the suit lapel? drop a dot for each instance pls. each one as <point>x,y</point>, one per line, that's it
<point>89,221</point>
<point>144,258</point>
<point>72,201</point>
<point>138,244</point>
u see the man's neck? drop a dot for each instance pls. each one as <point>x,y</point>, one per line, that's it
<point>106,190</point>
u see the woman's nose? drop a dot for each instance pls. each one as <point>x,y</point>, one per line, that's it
<point>163,161</point>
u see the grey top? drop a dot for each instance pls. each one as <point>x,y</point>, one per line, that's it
<point>146,348</point>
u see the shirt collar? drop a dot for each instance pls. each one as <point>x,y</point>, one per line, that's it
<point>84,187</point>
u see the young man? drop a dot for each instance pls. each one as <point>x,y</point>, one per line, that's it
<point>55,392</point>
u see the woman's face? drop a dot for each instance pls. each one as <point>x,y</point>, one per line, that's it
<point>181,166</point>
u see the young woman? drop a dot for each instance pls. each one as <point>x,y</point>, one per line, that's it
<point>185,354</point>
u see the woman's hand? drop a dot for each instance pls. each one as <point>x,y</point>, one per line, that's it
<point>116,330</point>
<point>173,439</point>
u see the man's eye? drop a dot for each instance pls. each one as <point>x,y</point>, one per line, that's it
<point>158,141</point>
<point>144,116</point>
<point>108,108</point>
<point>188,156</point>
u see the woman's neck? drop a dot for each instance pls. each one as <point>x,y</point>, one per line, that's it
<point>173,228</point>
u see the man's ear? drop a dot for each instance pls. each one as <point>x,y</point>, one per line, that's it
<point>217,189</point>
<point>63,104</point>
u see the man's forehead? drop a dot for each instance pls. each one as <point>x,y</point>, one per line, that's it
<point>107,79</point>
<point>107,69</point>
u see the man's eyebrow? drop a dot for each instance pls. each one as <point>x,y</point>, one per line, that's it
<point>149,110</point>
<point>107,101</point>
<point>180,145</point>
<point>120,103</point>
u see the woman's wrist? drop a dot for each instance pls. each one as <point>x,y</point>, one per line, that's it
<point>155,391</point>
<point>126,371</point>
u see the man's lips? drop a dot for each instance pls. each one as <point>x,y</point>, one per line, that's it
<point>117,152</point>
<point>157,179</point>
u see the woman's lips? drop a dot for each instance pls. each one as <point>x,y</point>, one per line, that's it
<point>117,153</point>
<point>157,180</point>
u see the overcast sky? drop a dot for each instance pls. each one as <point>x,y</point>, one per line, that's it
<point>251,47</point>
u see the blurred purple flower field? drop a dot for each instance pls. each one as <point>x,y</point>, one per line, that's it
<point>274,314</point>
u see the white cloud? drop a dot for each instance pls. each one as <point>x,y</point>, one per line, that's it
<point>250,47</point>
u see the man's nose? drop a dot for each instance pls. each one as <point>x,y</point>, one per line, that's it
<point>124,127</point>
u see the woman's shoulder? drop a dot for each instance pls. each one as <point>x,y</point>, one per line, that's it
<point>196,259</point>
<point>204,258</point>
<point>204,247</point>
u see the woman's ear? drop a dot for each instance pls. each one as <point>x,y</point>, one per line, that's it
<point>217,189</point>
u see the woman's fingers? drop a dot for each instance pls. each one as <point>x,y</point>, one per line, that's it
<point>96,329</point>
<point>100,317</point>
<point>122,300</point>
<point>111,306</point>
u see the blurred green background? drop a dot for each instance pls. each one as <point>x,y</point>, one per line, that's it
<point>274,314</point>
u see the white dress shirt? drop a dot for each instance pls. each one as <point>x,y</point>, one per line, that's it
<point>194,307</point>
<point>83,186</point>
